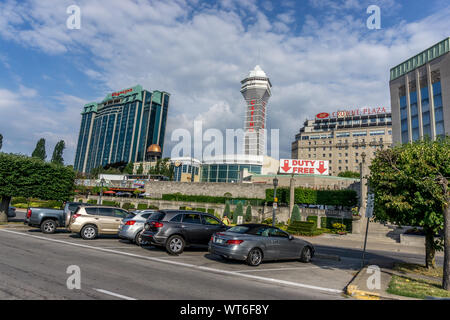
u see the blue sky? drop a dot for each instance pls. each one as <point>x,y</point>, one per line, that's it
<point>319,55</point>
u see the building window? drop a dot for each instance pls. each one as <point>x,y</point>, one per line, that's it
<point>404,119</point>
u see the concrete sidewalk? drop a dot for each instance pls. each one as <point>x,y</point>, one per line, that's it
<point>373,244</point>
<point>363,285</point>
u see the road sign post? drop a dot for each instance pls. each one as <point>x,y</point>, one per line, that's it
<point>369,215</point>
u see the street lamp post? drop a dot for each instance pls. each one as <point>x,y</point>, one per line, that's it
<point>102,182</point>
<point>275,184</point>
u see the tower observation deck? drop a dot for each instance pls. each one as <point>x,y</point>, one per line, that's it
<point>256,92</point>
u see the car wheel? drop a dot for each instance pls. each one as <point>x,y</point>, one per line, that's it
<point>89,232</point>
<point>306,255</point>
<point>48,226</point>
<point>175,245</point>
<point>138,239</point>
<point>254,257</point>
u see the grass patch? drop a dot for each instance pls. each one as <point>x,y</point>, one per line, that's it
<point>416,288</point>
<point>419,269</point>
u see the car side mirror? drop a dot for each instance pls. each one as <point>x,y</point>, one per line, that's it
<point>291,237</point>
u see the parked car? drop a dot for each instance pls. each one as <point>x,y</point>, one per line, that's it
<point>11,212</point>
<point>48,220</point>
<point>176,229</point>
<point>255,243</point>
<point>132,226</point>
<point>91,221</point>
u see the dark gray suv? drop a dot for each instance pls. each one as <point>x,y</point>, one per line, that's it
<point>176,229</point>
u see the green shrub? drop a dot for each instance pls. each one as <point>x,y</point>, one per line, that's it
<point>239,212</point>
<point>92,201</point>
<point>111,203</point>
<point>200,209</point>
<point>268,221</point>
<point>248,214</point>
<point>183,208</point>
<point>141,206</point>
<point>210,199</point>
<point>17,200</point>
<point>211,211</point>
<point>347,198</point>
<point>153,207</point>
<point>302,226</point>
<point>312,219</point>
<point>127,206</point>
<point>295,214</point>
<point>338,227</point>
<point>327,222</point>
<point>227,211</point>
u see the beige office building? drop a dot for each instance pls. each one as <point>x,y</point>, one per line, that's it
<point>343,136</point>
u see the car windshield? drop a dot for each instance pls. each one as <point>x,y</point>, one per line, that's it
<point>239,229</point>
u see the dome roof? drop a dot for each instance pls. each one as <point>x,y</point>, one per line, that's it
<point>154,148</point>
<point>257,72</point>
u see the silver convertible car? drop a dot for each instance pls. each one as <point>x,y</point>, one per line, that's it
<point>255,243</point>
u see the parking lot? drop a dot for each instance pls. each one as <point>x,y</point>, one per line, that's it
<point>323,276</point>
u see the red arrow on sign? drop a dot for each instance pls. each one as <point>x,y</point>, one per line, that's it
<point>321,168</point>
<point>286,166</point>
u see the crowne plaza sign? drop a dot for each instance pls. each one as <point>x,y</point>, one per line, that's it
<point>351,113</point>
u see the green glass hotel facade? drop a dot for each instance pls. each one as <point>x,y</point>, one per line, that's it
<point>121,128</point>
<point>420,95</point>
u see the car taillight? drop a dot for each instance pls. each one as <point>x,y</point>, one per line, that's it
<point>130,223</point>
<point>235,241</point>
<point>157,224</point>
<point>76,215</point>
<point>29,213</point>
<point>212,239</point>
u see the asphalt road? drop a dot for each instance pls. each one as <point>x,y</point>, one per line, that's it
<point>33,266</point>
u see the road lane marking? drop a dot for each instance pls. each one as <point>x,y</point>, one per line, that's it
<point>295,268</point>
<point>114,294</point>
<point>191,266</point>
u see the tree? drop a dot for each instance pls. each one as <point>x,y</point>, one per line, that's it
<point>22,176</point>
<point>57,157</point>
<point>349,174</point>
<point>410,186</point>
<point>140,170</point>
<point>248,214</point>
<point>238,212</point>
<point>1,141</point>
<point>227,211</point>
<point>129,168</point>
<point>295,216</point>
<point>39,151</point>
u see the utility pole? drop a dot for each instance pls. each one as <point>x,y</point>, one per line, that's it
<point>275,200</point>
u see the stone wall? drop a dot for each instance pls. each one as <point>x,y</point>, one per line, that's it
<point>157,188</point>
<point>259,213</point>
<point>248,190</point>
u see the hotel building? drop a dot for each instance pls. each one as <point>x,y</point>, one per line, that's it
<point>341,137</point>
<point>420,95</point>
<point>121,128</point>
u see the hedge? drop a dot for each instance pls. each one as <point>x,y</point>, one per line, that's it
<point>312,219</point>
<point>301,226</point>
<point>327,222</point>
<point>111,203</point>
<point>347,198</point>
<point>141,206</point>
<point>92,201</point>
<point>200,209</point>
<point>210,199</point>
<point>127,206</point>
<point>211,211</point>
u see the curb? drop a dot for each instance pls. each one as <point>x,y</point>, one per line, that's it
<point>354,292</point>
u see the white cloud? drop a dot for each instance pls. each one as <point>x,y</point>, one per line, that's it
<point>200,53</point>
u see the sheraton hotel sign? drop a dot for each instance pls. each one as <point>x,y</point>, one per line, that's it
<point>352,113</point>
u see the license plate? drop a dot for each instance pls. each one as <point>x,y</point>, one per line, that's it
<point>219,240</point>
